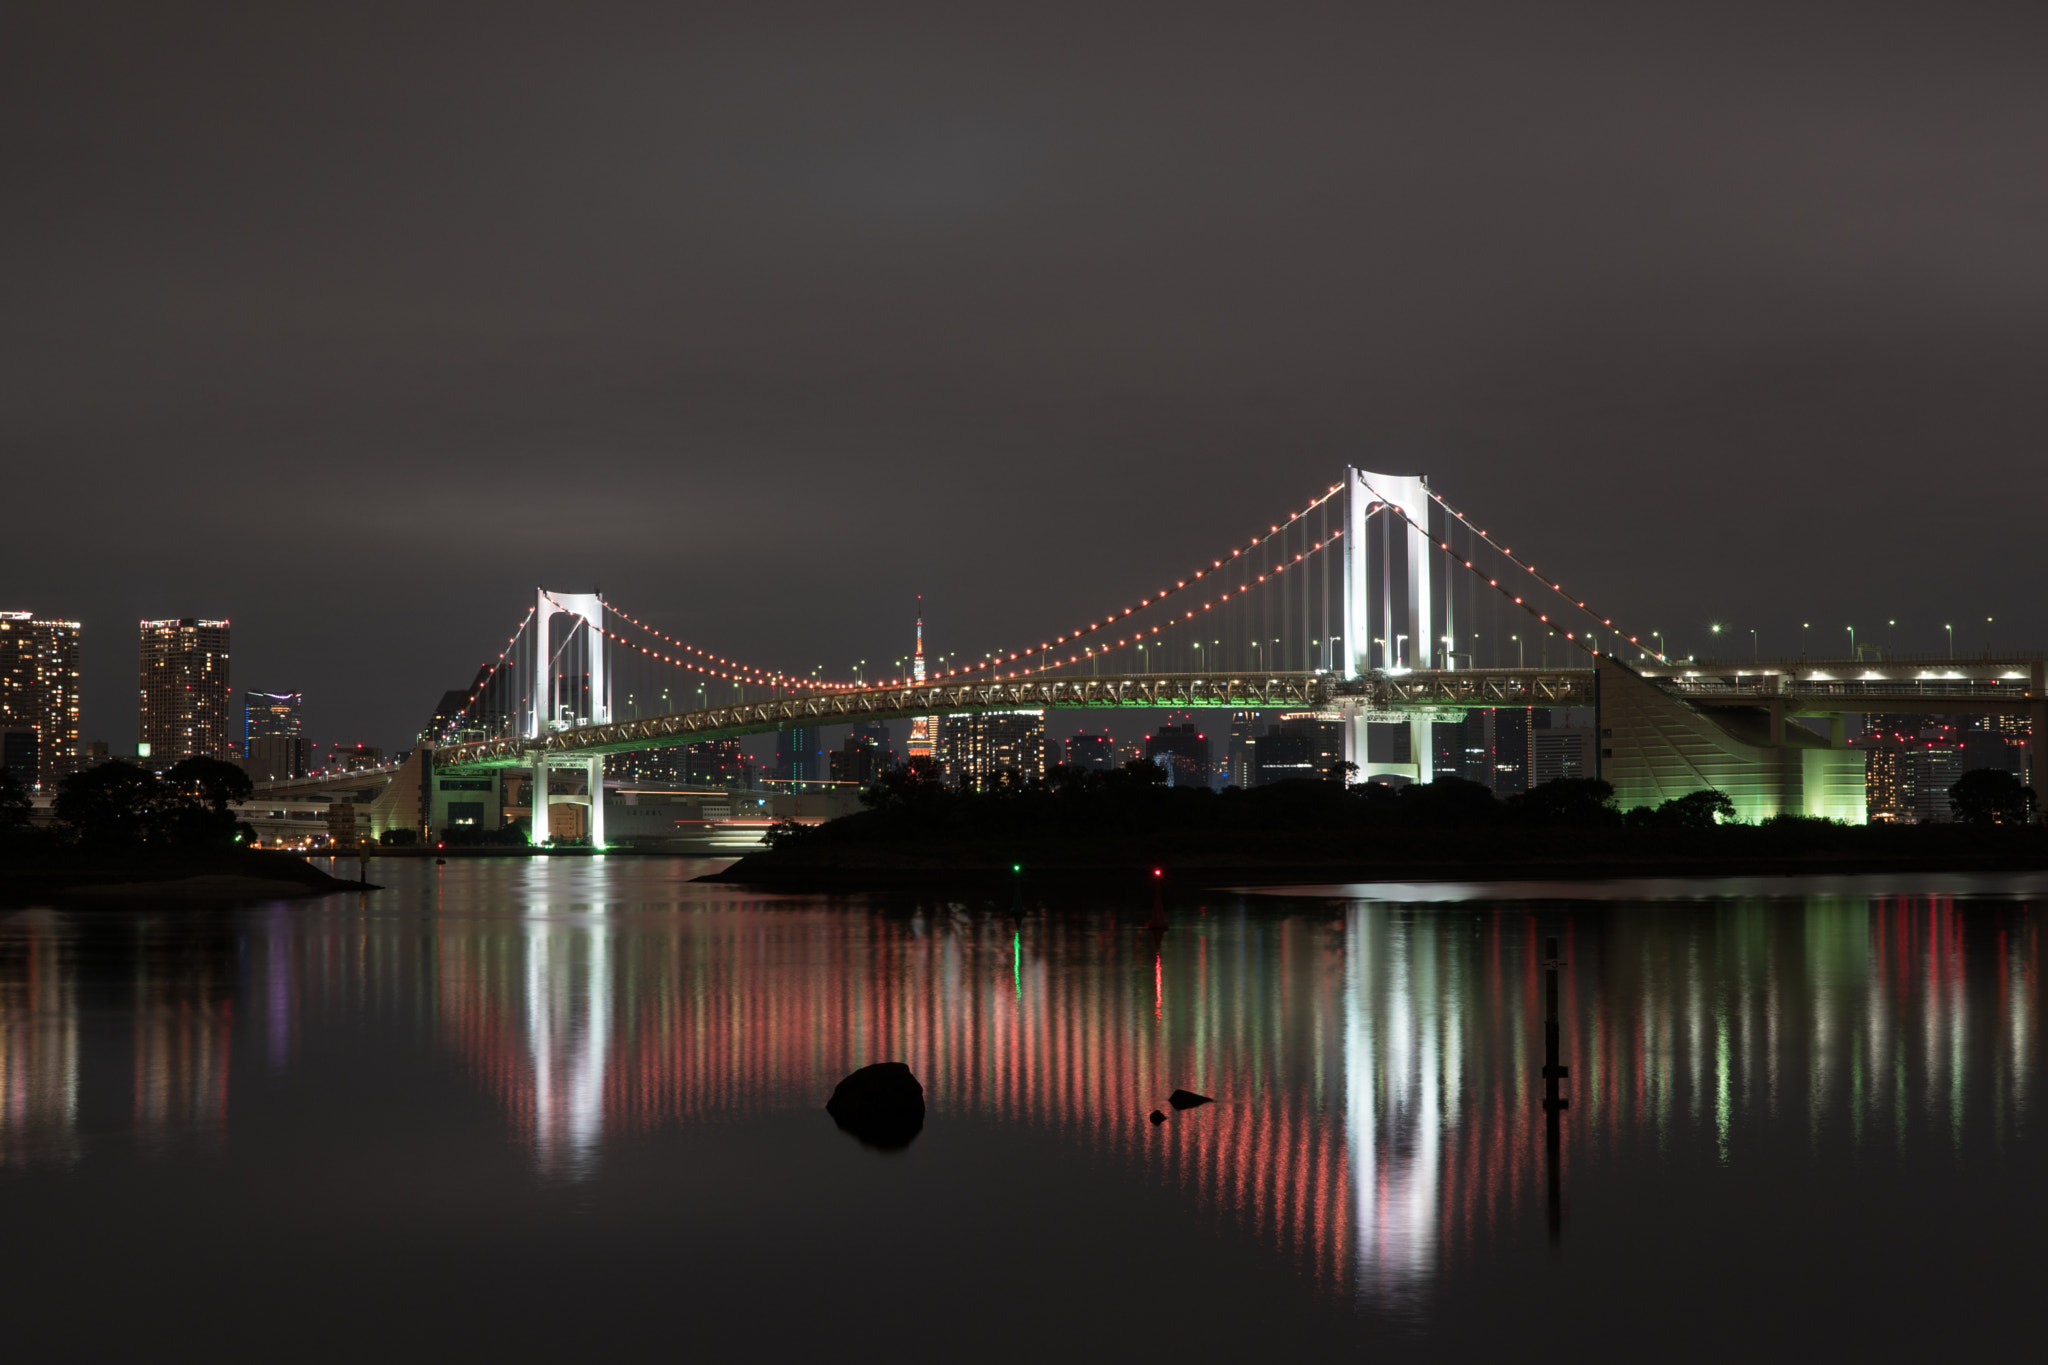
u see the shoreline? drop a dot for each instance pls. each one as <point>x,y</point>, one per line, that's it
<point>766,872</point>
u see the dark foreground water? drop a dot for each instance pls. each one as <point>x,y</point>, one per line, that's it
<point>571,1110</point>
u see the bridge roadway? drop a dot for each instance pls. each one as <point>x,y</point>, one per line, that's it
<point>1396,695</point>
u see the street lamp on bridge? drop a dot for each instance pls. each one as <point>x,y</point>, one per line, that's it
<point>1951,640</point>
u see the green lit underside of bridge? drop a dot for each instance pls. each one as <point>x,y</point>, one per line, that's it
<point>1397,696</point>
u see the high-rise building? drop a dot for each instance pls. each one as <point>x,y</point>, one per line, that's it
<point>20,752</point>
<point>988,747</point>
<point>274,745</point>
<point>186,698</point>
<point>1890,787</point>
<point>865,756</point>
<point>1241,759</point>
<point>718,762</point>
<point>1304,744</point>
<point>39,689</point>
<point>1510,744</point>
<point>1562,753</point>
<point>924,730</point>
<point>798,754</point>
<point>1091,751</point>
<point>1183,752</point>
<point>464,714</point>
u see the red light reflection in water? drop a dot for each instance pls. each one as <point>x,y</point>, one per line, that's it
<point>1375,1066</point>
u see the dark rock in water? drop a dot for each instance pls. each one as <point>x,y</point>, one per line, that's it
<point>1187,1099</point>
<point>1158,1117</point>
<point>882,1105</point>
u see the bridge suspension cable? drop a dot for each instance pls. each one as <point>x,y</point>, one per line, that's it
<point>1595,617</point>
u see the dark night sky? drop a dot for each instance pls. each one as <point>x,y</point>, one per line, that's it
<point>354,322</point>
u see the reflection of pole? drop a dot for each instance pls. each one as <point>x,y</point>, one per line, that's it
<point>1552,1074</point>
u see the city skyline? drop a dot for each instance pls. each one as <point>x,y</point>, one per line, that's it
<point>879,267</point>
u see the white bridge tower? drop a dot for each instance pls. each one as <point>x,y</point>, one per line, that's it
<point>547,713</point>
<point>1383,634</point>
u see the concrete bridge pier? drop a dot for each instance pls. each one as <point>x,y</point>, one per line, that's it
<point>544,800</point>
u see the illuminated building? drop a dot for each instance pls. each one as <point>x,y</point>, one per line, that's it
<point>979,749</point>
<point>865,756</point>
<point>456,718</point>
<point>185,692</point>
<point>20,753</point>
<point>1305,744</point>
<point>1091,751</point>
<point>797,752</point>
<point>274,736</point>
<point>1183,752</point>
<point>924,730</point>
<point>351,758</point>
<point>39,688</point>
<point>1562,753</point>
<point>1509,740</point>
<point>1241,761</point>
<point>1889,790</point>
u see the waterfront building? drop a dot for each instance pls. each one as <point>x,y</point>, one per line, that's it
<point>719,763</point>
<point>350,758</point>
<point>20,750</point>
<point>798,754</point>
<point>1509,730</point>
<point>1240,764</point>
<point>865,756</point>
<point>1183,752</point>
<point>989,747</point>
<point>274,745</point>
<point>185,694</point>
<point>1302,744</point>
<point>39,689</point>
<point>1091,751</point>
<point>1562,753</point>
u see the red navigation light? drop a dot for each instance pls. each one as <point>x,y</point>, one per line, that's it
<point>1159,872</point>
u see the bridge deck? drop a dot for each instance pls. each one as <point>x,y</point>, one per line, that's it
<point>1403,693</point>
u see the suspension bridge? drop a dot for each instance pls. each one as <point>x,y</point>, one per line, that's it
<point>1375,602</point>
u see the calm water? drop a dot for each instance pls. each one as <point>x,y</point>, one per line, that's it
<point>572,1110</point>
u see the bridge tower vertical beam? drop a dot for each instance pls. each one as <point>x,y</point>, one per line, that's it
<point>589,608</point>
<point>1404,500</point>
<point>595,767</point>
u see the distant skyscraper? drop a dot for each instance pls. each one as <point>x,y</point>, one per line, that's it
<point>797,753</point>
<point>186,711</point>
<point>20,749</point>
<point>924,730</point>
<point>1241,760</point>
<point>1305,744</point>
<point>1561,753</point>
<point>865,756</point>
<point>1183,752</point>
<point>977,749</point>
<point>274,736</point>
<point>39,689</point>
<point>718,762</point>
<point>1091,751</point>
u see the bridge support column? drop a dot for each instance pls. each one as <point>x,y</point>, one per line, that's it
<point>537,797</point>
<point>595,767</point>
<point>1422,747</point>
<point>1354,737</point>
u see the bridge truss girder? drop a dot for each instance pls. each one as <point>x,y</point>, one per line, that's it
<point>1468,689</point>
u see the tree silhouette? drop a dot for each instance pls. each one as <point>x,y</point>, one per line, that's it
<point>1990,796</point>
